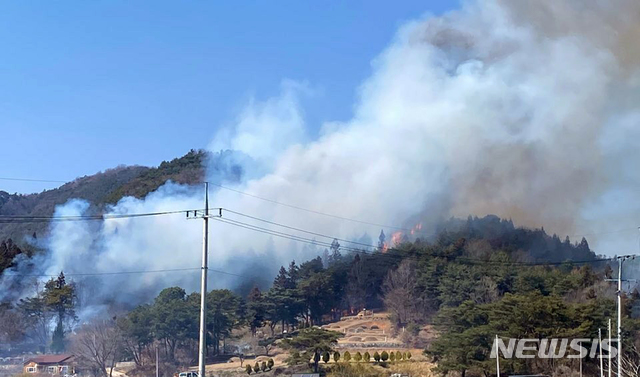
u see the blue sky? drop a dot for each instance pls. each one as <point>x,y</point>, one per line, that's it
<point>89,85</point>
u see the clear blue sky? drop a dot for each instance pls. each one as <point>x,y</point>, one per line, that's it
<point>89,85</point>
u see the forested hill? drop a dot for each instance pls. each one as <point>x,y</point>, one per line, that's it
<point>523,244</point>
<point>99,189</point>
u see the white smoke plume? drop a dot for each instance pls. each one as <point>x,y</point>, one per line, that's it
<point>527,110</point>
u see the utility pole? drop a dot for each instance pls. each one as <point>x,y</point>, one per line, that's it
<point>204,215</point>
<point>497,358</point>
<point>609,353</point>
<point>157,365</point>
<point>203,285</point>
<point>600,346</point>
<point>620,259</point>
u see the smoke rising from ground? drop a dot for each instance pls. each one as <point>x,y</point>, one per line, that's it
<point>527,110</point>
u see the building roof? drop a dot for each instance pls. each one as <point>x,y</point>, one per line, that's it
<point>49,359</point>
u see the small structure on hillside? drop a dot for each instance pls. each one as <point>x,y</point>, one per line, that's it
<point>63,364</point>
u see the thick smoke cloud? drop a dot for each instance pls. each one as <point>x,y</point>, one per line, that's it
<point>527,110</point>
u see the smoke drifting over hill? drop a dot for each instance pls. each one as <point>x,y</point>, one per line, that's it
<point>527,110</point>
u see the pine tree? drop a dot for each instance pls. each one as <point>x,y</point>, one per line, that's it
<point>381,240</point>
<point>282,279</point>
<point>60,298</point>
<point>293,275</point>
<point>335,250</point>
<point>57,340</point>
<point>255,310</point>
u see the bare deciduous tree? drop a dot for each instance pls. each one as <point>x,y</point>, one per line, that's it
<point>399,293</point>
<point>11,325</point>
<point>98,345</point>
<point>630,362</point>
<point>486,291</point>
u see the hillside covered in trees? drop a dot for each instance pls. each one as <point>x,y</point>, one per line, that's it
<point>475,278</point>
<point>103,188</point>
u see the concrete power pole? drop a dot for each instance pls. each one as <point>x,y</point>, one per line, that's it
<point>620,259</point>
<point>620,316</point>
<point>497,358</point>
<point>609,353</point>
<point>202,352</point>
<point>600,347</point>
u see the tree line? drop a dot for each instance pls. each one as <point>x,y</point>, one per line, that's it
<point>471,280</point>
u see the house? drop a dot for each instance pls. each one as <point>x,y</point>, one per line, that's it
<point>51,364</point>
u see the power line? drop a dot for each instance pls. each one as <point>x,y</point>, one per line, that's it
<point>451,258</point>
<point>31,180</point>
<point>124,272</point>
<point>292,237</point>
<point>297,208</point>
<point>10,219</point>
<point>296,229</point>
<point>310,210</point>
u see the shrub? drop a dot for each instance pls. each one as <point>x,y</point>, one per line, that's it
<point>336,356</point>
<point>256,367</point>
<point>248,369</point>
<point>408,355</point>
<point>358,357</point>
<point>384,356</point>
<point>355,370</point>
<point>366,357</point>
<point>399,356</point>
<point>376,356</point>
<point>270,364</point>
<point>326,357</point>
<point>263,366</point>
<point>392,356</point>
<point>347,356</point>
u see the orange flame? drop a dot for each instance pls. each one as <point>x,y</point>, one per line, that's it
<point>396,238</point>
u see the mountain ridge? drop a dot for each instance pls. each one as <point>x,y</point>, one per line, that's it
<point>100,189</point>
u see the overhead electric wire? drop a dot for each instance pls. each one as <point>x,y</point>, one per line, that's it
<point>297,208</point>
<point>279,234</point>
<point>310,210</point>
<point>296,229</point>
<point>31,180</point>
<point>124,272</point>
<point>390,250</point>
<point>11,219</point>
